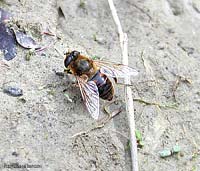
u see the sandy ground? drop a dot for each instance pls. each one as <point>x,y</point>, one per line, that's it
<point>37,128</point>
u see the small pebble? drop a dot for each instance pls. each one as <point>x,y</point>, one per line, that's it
<point>176,149</point>
<point>165,153</point>
<point>13,91</point>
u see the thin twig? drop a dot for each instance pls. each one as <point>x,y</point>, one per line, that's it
<point>88,131</point>
<point>46,47</point>
<point>177,84</point>
<point>128,93</point>
<point>173,105</point>
<point>101,124</point>
<point>4,64</point>
<point>175,87</point>
<point>109,113</point>
<point>141,10</point>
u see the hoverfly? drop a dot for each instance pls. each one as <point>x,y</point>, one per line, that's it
<point>92,77</point>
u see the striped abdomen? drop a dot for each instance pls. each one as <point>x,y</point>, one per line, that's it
<point>104,85</point>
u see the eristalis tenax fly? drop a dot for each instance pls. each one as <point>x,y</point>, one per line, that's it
<point>92,77</point>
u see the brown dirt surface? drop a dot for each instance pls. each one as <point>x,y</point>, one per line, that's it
<point>164,46</point>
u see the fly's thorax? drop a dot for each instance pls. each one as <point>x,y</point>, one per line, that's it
<point>83,66</point>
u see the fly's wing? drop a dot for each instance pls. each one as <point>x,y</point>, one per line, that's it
<point>90,94</point>
<point>115,70</point>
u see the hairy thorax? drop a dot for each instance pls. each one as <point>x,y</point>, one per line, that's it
<point>84,67</point>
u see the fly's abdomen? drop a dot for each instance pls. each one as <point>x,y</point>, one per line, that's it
<point>104,85</point>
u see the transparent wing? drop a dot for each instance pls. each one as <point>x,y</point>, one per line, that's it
<point>90,94</point>
<point>115,70</point>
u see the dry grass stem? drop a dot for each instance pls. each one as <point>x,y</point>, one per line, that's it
<point>128,92</point>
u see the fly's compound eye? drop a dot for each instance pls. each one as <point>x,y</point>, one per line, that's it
<point>68,60</point>
<point>75,54</point>
<point>71,57</point>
